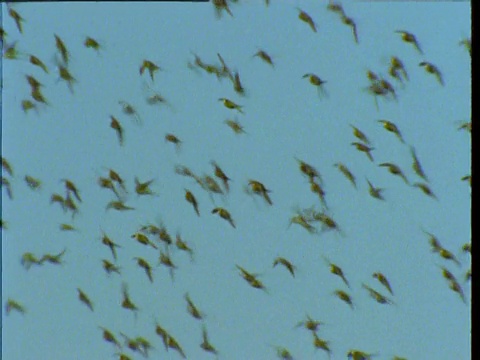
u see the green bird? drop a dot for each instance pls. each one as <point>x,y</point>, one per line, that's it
<point>224,214</point>
<point>381,299</point>
<point>150,66</point>
<point>425,189</point>
<point>345,297</point>
<point>145,266</point>
<point>322,344</point>
<point>364,148</point>
<point>416,166</point>
<point>410,39</point>
<point>264,56</point>
<point>395,170</point>
<point>13,305</point>
<point>383,280</point>
<point>347,173</point>
<point>206,345</point>
<point>7,167</point>
<point>258,188</point>
<point>391,127</point>
<point>85,299</point>
<point>60,45</point>
<point>303,16</point>
<point>91,43</point>
<point>17,18</point>
<point>143,188</point>
<point>336,270</point>
<point>229,104</point>
<point>287,264</point>
<point>109,267</point>
<point>37,62</point>
<point>360,135</point>
<point>109,337</point>
<point>192,308</point>
<point>432,69</point>
<point>374,191</point>
<point>310,324</point>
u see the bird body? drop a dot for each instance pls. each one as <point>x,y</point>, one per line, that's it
<point>258,188</point>
<point>432,69</point>
<point>288,265</point>
<point>224,214</point>
<point>395,170</point>
<point>303,16</point>
<point>229,104</point>
<point>383,280</point>
<point>410,38</point>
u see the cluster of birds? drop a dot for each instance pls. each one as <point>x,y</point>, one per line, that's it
<point>217,184</point>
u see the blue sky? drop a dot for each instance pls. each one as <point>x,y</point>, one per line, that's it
<point>284,119</point>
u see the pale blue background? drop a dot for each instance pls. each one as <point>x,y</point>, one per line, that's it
<point>284,118</point>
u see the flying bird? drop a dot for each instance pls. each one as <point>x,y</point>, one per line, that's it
<point>383,280</point>
<point>410,38</point>
<point>192,308</point>
<point>56,259</point>
<point>115,125</point>
<point>425,189</point>
<point>143,188</point>
<point>37,62</point>
<point>374,191</point>
<point>391,127</point>
<point>395,170</point>
<point>235,126</point>
<point>336,270</point>
<point>7,167</point>
<point>342,295</point>
<point>218,172</point>
<point>347,173</point>
<point>183,246</point>
<point>432,69</point>
<point>106,240</point>
<point>322,344</point>
<point>220,6</point>
<point>360,135</point>
<point>258,188</point>
<point>127,303</point>
<point>364,148</point>
<point>205,344</point>
<point>224,214</point>
<point>351,23</point>
<point>416,166</point>
<point>144,240</point>
<point>118,205</point>
<point>60,45</point>
<point>317,82</point>
<point>6,183</point>
<point>109,337</point>
<point>17,18</point>
<point>150,66</point>
<point>265,57</point>
<point>91,43</point>
<point>310,324</point>
<point>13,305</point>
<point>84,299</point>
<point>145,266</point>
<point>192,200</point>
<point>303,16</point>
<point>129,110</point>
<point>359,355</point>
<point>110,267</point>
<point>229,104</point>
<point>381,299</point>
<point>287,264</point>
